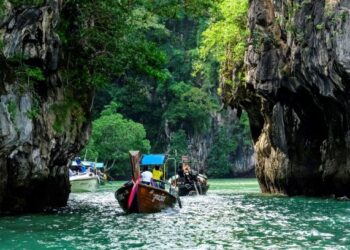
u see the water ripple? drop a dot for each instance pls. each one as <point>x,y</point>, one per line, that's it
<point>229,217</point>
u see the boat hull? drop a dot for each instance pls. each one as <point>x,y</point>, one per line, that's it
<point>87,184</point>
<point>189,189</point>
<point>147,199</point>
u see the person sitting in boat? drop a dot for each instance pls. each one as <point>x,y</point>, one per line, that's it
<point>80,166</point>
<point>146,176</point>
<point>187,172</point>
<point>180,171</point>
<point>157,173</point>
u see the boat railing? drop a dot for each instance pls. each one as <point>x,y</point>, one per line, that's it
<point>165,186</point>
<point>158,184</point>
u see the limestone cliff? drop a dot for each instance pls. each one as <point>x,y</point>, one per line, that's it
<point>297,95</point>
<point>39,132</point>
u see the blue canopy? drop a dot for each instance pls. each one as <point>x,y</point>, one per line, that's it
<point>88,164</point>
<point>158,159</point>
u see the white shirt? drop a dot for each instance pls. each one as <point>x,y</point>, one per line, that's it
<point>146,176</point>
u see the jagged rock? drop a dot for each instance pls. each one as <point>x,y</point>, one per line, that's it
<point>33,155</point>
<point>297,95</point>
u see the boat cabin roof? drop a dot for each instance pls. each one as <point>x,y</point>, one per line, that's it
<point>89,164</point>
<point>153,159</point>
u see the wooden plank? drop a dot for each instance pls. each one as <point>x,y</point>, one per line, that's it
<point>135,164</point>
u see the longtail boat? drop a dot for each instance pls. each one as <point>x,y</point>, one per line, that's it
<point>188,181</point>
<point>136,197</point>
<point>187,186</point>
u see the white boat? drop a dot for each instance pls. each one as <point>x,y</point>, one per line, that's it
<point>84,182</point>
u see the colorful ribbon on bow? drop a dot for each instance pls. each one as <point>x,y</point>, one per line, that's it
<point>133,192</point>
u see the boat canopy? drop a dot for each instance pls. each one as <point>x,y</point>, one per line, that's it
<point>89,164</point>
<point>153,159</point>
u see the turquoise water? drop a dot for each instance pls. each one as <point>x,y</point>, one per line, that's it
<point>233,215</point>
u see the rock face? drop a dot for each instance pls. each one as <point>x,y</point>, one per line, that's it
<point>297,95</point>
<point>33,155</point>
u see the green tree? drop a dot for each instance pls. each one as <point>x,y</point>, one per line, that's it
<point>219,159</point>
<point>112,138</point>
<point>177,99</point>
<point>227,30</point>
<point>231,142</point>
<point>179,143</point>
<point>190,108</point>
<point>225,40</point>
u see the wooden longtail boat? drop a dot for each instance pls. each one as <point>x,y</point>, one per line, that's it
<point>135,197</point>
<point>191,187</point>
<point>189,182</point>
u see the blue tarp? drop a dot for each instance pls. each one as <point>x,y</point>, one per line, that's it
<point>158,159</point>
<point>89,164</point>
<point>99,165</point>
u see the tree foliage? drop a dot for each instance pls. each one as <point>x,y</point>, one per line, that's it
<point>219,159</point>
<point>227,31</point>
<point>157,63</point>
<point>225,39</point>
<point>231,142</point>
<point>108,39</point>
<point>112,138</point>
<point>179,144</point>
<point>173,97</point>
<point>190,108</point>
<point>163,42</point>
